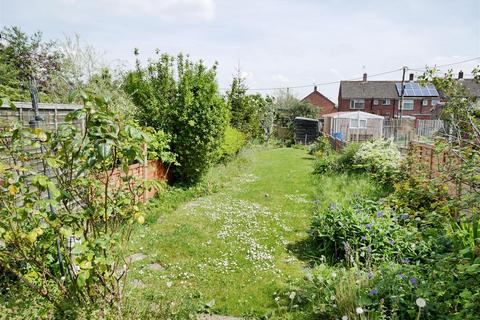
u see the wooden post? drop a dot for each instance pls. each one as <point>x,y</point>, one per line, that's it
<point>145,173</point>
<point>55,118</point>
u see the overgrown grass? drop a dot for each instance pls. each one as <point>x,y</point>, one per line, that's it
<point>225,246</point>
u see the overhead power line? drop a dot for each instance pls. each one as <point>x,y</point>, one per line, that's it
<point>420,69</point>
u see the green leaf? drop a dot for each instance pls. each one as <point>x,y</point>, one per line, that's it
<point>104,150</point>
<point>82,278</point>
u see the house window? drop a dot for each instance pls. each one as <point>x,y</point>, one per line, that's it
<point>425,102</point>
<point>435,102</point>
<point>358,123</point>
<point>386,102</point>
<point>407,105</point>
<point>357,104</point>
<point>375,102</point>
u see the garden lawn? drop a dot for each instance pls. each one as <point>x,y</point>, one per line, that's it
<point>227,252</point>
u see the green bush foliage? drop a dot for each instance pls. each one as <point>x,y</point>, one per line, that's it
<point>76,209</point>
<point>381,159</point>
<point>234,141</point>
<point>181,98</point>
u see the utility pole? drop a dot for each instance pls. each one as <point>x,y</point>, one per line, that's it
<point>402,93</point>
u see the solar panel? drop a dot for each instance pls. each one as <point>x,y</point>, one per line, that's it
<point>413,89</point>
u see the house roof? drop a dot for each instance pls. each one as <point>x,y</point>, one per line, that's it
<point>316,92</point>
<point>472,86</point>
<point>352,115</point>
<point>368,89</point>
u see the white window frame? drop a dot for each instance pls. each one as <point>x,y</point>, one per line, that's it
<point>360,123</point>
<point>354,102</point>
<point>425,103</point>
<point>375,102</point>
<point>409,108</point>
<point>386,102</point>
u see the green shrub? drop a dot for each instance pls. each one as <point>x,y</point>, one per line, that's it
<point>381,159</point>
<point>234,141</point>
<point>181,98</point>
<point>346,160</point>
<point>362,233</point>
<point>320,146</point>
<point>325,162</point>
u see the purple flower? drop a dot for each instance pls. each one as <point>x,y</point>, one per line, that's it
<point>391,242</point>
<point>373,292</point>
<point>370,275</point>
<point>405,260</point>
<point>363,238</point>
<point>413,281</point>
<point>368,226</point>
<point>402,276</point>
<point>379,214</point>
<point>404,216</point>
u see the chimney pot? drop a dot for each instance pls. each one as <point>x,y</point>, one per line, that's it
<point>315,88</point>
<point>460,75</point>
<point>365,77</point>
<point>411,77</point>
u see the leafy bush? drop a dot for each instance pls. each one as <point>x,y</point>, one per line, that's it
<point>362,233</point>
<point>234,141</point>
<point>381,159</point>
<point>346,160</point>
<point>325,162</point>
<point>181,98</point>
<point>320,146</point>
<point>65,239</point>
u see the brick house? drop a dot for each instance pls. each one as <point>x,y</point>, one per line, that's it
<point>383,98</point>
<point>323,104</point>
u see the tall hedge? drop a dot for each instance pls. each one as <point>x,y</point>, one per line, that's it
<point>181,97</point>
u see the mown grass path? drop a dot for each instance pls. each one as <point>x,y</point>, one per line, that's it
<point>228,251</point>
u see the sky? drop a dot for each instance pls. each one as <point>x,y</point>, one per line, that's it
<point>273,43</point>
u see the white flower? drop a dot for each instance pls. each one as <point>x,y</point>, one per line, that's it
<point>169,284</point>
<point>292,295</point>
<point>334,274</point>
<point>344,318</point>
<point>332,297</point>
<point>421,302</point>
<point>359,310</point>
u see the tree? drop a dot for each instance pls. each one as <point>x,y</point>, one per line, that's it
<point>288,107</point>
<point>244,112</point>
<point>23,57</point>
<point>181,97</point>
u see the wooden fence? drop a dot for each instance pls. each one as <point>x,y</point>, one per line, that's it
<point>437,164</point>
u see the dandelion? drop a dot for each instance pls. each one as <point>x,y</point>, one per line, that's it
<point>292,295</point>
<point>421,303</point>
<point>379,214</point>
<point>359,310</point>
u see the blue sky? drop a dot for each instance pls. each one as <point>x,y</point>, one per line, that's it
<point>276,43</point>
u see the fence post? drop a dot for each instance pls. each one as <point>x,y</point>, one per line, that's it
<point>145,173</point>
<point>55,118</point>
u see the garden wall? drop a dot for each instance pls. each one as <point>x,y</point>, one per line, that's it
<point>151,170</point>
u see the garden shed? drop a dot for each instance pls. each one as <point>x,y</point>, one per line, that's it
<point>353,126</point>
<point>306,130</point>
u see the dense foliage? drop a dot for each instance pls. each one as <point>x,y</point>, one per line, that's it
<point>181,97</point>
<point>24,57</point>
<point>65,240</point>
<point>234,141</point>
